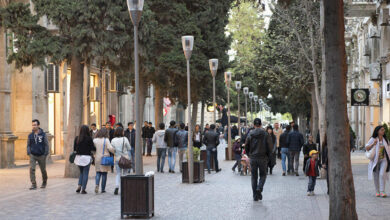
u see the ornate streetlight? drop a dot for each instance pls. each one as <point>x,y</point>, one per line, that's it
<point>238,87</point>
<point>135,10</point>
<point>255,98</point>
<point>228,78</point>
<point>188,44</point>
<point>213,68</point>
<point>246,91</point>
<point>250,99</point>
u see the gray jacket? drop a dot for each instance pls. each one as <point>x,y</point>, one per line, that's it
<point>211,139</point>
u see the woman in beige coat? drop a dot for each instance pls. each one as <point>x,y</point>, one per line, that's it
<point>103,148</point>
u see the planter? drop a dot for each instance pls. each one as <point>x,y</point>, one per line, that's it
<point>227,153</point>
<point>198,172</point>
<point>203,156</point>
<point>137,196</point>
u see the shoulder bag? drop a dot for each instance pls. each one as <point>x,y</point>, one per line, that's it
<point>106,160</point>
<point>72,157</point>
<point>123,162</point>
<point>370,154</point>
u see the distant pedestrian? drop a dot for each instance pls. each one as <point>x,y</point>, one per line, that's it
<point>122,148</point>
<point>206,129</point>
<point>378,166</point>
<point>111,136</point>
<point>145,129</point>
<point>93,130</point>
<point>307,148</point>
<point>103,148</point>
<point>284,149</point>
<point>272,161</point>
<point>197,137</point>
<point>312,171</point>
<point>234,132</point>
<point>117,125</point>
<point>211,140</point>
<point>37,150</point>
<point>149,138</point>
<point>130,134</point>
<point>83,146</point>
<point>182,143</point>
<point>169,138</point>
<point>237,154</point>
<point>161,147</point>
<point>295,143</point>
<point>278,131</point>
<point>259,147</point>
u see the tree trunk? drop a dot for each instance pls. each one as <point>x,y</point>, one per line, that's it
<point>158,105</point>
<point>314,115</point>
<point>202,116</point>
<point>75,113</point>
<point>341,188</point>
<point>321,98</point>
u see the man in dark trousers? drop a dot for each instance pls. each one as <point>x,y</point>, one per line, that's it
<point>211,140</point>
<point>294,143</point>
<point>169,138</point>
<point>259,147</point>
<point>37,149</point>
<point>130,134</point>
<point>145,130</point>
<point>150,133</point>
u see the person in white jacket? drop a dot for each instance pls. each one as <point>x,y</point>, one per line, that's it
<point>377,166</point>
<point>161,146</point>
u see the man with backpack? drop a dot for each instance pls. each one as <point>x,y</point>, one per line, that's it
<point>259,147</point>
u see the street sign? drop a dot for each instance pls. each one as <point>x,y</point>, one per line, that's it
<point>360,97</point>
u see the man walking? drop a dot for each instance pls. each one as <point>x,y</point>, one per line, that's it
<point>130,134</point>
<point>145,130</point>
<point>278,132</point>
<point>37,149</point>
<point>169,138</point>
<point>295,143</point>
<point>93,130</point>
<point>149,138</point>
<point>182,143</point>
<point>284,149</point>
<point>211,140</point>
<point>259,147</point>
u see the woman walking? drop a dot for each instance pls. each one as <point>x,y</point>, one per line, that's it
<point>197,137</point>
<point>377,166</point>
<point>121,148</point>
<point>83,146</point>
<point>103,148</point>
<point>272,160</point>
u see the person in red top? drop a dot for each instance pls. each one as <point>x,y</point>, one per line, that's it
<point>312,171</point>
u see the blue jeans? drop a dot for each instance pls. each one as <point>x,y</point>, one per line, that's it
<point>172,158</point>
<point>103,175</point>
<point>312,183</point>
<point>161,154</point>
<point>83,179</point>
<point>214,154</point>
<point>284,152</point>
<point>119,173</point>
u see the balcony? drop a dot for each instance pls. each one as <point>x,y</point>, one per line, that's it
<point>359,8</point>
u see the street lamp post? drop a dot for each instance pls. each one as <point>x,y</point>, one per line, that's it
<point>250,99</point>
<point>135,10</point>
<point>246,90</point>
<point>188,44</point>
<point>228,77</point>
<point>260,107</point>
<point>238,87</point>
<point>255,98</point>
<point>213,68</point>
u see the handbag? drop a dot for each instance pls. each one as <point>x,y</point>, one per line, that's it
<point>371,153</point>
<point>72,157</point>
<point>106,160</point>
<point>123,162</point>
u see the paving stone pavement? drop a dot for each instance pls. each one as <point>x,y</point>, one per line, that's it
<point>224,195</point>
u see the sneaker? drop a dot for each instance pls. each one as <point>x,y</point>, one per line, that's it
<point>170,171</point>
<point>173,171</point>
<point>33,187</point>
<point>219,170</point>
<point>312,193</point>
<point>383,195</point>
<point>308,193</point>
<point>83,192</point>
<point>296,174</point>
<point>284,174</point>
<point>78,189</point>
<point>233,170</point>
<point>260,195</point>
<point>255,198</point>
<point>209,172</point>
<point>44,184</point>
<point>103,191</point>
<point>116,191</point>
<point>162,171</point>
<point>377,194</point>
<point>97,189</point>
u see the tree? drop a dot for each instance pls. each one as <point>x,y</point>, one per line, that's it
<point>341,192</point>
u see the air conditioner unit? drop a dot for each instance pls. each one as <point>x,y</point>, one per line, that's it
<point>367,49</point>
<point>94,94</point>
<point>374,33</point>
<point>384,17</point>
<point>375,71</point>
<point>52,78</point>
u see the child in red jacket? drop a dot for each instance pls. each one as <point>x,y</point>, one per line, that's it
<point>312,171</point>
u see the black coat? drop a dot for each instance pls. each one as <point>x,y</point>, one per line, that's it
<point>169,137</point>
<point>84,147</point>
<point>131,137</point>
<point>211,139</point>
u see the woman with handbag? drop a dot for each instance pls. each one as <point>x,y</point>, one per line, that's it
<point>122,159</point>
<point>83,146</point>
<point>378,153</point>
<point>103,160</point>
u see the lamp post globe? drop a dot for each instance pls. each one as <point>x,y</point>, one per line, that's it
<point>213,63</point>
<point>135,8</point>
<point>238,87</point>
<point>246,91</point>
<point>255,99</point>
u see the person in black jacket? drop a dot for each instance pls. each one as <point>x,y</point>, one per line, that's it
<point>83,146</point>
<point>309,146</point>
<point>37,149</point>
<point>149,134</point>
<point>211,140</point>
<point>295,142</point>
<point>259,147</point>
<point>284,148</point>
<point>130,135</point>
<point>169,138</point>
<point>144,136</point>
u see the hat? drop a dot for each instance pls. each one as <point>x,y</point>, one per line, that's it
<point>237,138</point>
<point>313,152</point>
